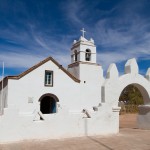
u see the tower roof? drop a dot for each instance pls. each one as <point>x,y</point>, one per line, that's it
<point>82,40</point>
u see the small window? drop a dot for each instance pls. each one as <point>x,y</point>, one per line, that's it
<point>48,78</point>
<point>75,55</point>
<point>88,55</point>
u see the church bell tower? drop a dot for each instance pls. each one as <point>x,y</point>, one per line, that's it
<point>83,50</point>
<point>83,58</point>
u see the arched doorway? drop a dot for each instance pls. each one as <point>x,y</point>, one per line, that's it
<point>48,103</point>
<point>130,98</point>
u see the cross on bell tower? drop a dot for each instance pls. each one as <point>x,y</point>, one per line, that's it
<point>83,31</point>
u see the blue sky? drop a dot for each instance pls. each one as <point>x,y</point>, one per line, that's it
<point>31,30</point>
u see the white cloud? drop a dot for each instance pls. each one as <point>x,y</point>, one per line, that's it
<point>106,58</point>
<point>15,60</point>
<point>32,47</point>
<point>73,10</point>
<point>24,60</point>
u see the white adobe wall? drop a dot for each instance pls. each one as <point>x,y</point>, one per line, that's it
<point>91,77</point>
<point>75,71</point>
<point>114,85</point>
<point>144,110</point>
<point>105,120</point>
<point>63,124</point>
<point>32,85</point>
<point>69,121</point>
<point>3,103</point>
<point>72,96</point>
<point>60,125</point>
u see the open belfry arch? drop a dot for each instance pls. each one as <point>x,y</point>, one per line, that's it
<point>49,101</point>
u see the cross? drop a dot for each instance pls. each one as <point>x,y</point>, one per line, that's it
<point>83,31</point>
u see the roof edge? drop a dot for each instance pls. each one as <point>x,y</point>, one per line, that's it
<point>38,65</point>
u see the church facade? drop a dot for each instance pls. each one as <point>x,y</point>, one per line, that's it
<point>49,101</point>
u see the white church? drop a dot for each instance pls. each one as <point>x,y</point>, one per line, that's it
<point>50,102</point>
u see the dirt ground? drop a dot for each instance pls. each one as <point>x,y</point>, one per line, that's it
<point>129,138</point>
<point>128,121</point>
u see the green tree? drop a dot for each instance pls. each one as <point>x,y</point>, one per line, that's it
<point>131,95</point>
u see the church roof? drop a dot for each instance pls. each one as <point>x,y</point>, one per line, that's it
<point>38,65</point>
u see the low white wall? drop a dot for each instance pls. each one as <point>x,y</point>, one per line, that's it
<point>144,117</point>
<point>14,127</point>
